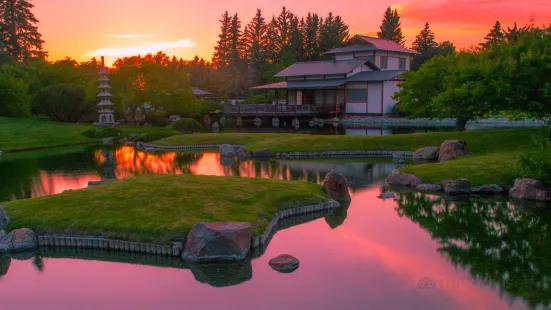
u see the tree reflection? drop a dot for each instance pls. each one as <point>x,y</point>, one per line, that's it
<point>498,243</point>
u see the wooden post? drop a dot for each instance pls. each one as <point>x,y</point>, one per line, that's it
<point>336,98</point>
<point>367,98</point>
<point>345,97</point>
<point>324,98</point>
<point>382,97</point>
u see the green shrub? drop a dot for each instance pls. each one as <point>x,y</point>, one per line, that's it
<point>102,133</point>
<point>187,125</point>
<point>63,103</point>
<point>535,162</point>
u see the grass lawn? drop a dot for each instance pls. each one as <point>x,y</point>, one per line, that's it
<point>494,159</point>
<point>20,133</point>
<point>160,208</point>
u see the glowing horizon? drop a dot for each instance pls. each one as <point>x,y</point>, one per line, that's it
<point>126,27</point>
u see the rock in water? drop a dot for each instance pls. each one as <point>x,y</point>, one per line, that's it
<point>450,149</point>
<point>226,150</point>
<point>243,153</point>
<point>404,179</point>
<point>222,274</point>
<point>427,153</point>
<point>262,153</point>
<point>487,189</point>
<point>388,195</point>
<point>218,242</point>
<point>284,263</point>
<point>18,240</point>
<point>457,187</point>
<point>335,186</point>
<point>427,187</point>
<point>530,189</point>
<point>4,219</point>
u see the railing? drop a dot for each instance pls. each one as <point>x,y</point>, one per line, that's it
<point>268,110</point>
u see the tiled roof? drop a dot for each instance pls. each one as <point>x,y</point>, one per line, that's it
<point>373,76</point>
<point>200,92</point>
<point>321,67</point>
<point>371,44</point>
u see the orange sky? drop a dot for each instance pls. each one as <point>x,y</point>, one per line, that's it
<point>85,28</point>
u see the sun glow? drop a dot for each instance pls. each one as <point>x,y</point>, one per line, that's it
<point>151,47</point>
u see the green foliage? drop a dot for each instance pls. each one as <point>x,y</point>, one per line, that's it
<point>19,33</point>
<point>63,102</point>
<point>187,125</point>
<point>426,45</point>
<point>255,99</point>
<point>535,161</point>
<point>14,98</point>
<point>153,136</point>
<point>391,28</point>
<point>494,37</point>
<point>102,132</point>
<point>208,106</point>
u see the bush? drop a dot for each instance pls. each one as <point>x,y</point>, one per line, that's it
<point>187,125</point>
<point>535,162</point>
<point>208,106</point>
<point>14,97</point>
<point>102,133</point>
<point>63,102</point>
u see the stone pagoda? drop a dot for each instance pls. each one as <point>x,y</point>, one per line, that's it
<point>105,106</point>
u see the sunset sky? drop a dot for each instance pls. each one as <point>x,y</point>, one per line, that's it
<point>82,29</point>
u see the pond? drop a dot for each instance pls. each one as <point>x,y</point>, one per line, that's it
<point>415,252</point>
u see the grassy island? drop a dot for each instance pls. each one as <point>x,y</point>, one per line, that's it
<point>495,152</point>
<point>160,208</point>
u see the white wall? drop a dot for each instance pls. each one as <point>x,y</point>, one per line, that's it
<point>391,87</point>
<point>344,56</point>
<point>393,60</point>
<point>359,69</point>
<point>355,108</point>
<point>374,98</point>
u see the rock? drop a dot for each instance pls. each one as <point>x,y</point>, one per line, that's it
<point>450,149</point>
<point>3,233</point>
<point>487,189</point>
<point>173,118</point>
<point>4,218</point>
<point>149,150</point>
<point>130,143</point>
<point>284,263</point>
<point>227,161</point>
<point>263,153</point>
<point>404,179</point>
<point>215,127</point>
<point>107,141</point>
<point>122,140</point>
<point>70,190</point>
<point>18,240</point>
<point>457,187</point>
<point>530,189</point>
<point>227,150</point>
<point>336,186</point>
<point>427,153</point>
<point>94,183</point>
<point>388,195</point>
<point>218,242</point>
<point>222,274</point>
<point>428,187</point>
<point>242,152</point>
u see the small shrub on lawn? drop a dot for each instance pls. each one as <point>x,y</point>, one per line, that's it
<point>187,125</point>
<point>102,133</point>
<point>535,162</point>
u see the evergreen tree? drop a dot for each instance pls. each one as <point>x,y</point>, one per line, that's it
<point>221,57</point>
<point>272,39</point>
<point>512,35</point>
<point>283,24</point>
<point>445,48</point>
<point>333,33</point>
<point>493,38</point>
<point>296,39</point>
<point>18,31</point>
<point>237,74</point>
<point>391,28</point>
<point>426,45</point>
<point>311,37</point>
<point>255,42</point>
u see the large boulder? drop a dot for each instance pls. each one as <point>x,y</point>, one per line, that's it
<point>530,189</point>
<point>428,187</point>
<point>335,186</point>
<point>227,150</point>
<point>403,179</point>
<point>4,219</point>
<point>107,141</point>
<point>18,240</point>
<point>487,189</point>
<point>427,153</point>
<point>284,263</point>
<point>263,153</point>
<point>450,149</point>
<point>242,152</point>
<point>218,242</point>
<point>457,187</point>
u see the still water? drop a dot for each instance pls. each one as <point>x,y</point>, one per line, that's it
<point>418,252</point>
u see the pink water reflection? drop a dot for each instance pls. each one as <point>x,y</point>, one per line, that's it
<point>54,183</point>
<point>373,261</point>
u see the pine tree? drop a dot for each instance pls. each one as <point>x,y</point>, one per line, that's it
<point>238,75</point>
<point>221,57</point>
<point>255,42</point>
<point>426,45</point>
<point>283,24</point>
<point>391,28</point>
<point>18,31</point>
<point>493,38</point>
<point>272,39</point>
<point>296,39</point>
<point>311,37</point>
<point>512,35</point>
<point>333,33</point>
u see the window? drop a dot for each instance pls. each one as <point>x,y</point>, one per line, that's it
<point>384,62</point>
<point>356,95</point>
<point>371,59</point>
<point>403,64</point>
